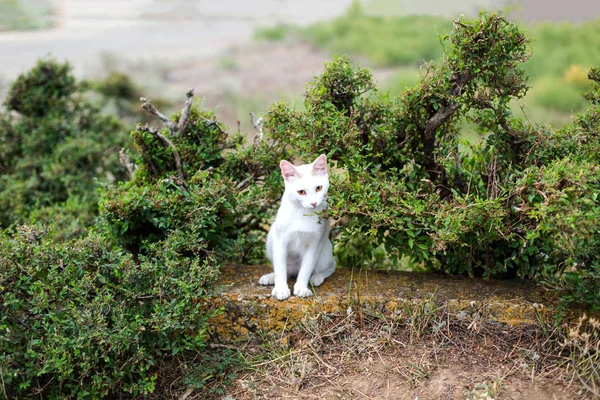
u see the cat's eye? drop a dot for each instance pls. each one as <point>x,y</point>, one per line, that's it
<point>319,188</point>
<point>302,192</point>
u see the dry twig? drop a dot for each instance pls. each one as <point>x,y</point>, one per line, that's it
<point>176,129</point>
<point>127,163</point>
<point>185,113</point>
<point>167,143</point>
<point>149,107</point>
<point>258,125</point>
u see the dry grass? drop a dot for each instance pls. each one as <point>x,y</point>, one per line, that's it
<point>582,346</point>
<point>426,351</point>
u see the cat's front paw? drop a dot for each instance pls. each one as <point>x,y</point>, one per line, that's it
<point>281,292</point>
<point>267,279</point>
<point>302,291</point>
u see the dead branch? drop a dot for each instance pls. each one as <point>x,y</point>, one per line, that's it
<point>187,393</point>
<point>167,143</point>
<point>185,113</point>
<point>337,226</point>
<point>213,122</point>
<point>176,129</point>
<point>149,107</point>
<point>127,163</point>
<point>258,125</point>
<point>251,222</point>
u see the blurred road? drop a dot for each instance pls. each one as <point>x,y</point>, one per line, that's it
<point>164,31</point>
<point>152,29</point>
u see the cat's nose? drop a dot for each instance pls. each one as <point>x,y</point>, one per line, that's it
<point>314,204</point>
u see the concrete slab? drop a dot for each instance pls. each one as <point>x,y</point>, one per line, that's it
<point>249,308</point>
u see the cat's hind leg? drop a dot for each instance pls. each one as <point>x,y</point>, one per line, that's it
<point>267,279</point>
<point>325,265</point>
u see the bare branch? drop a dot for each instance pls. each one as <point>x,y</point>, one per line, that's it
<point>187,393</point>
<point>337,225</point>
<point>127,163</point>
<point>168,143</point>
<point>444,113</point>
<point>149,107</point>
<point>244,184</point>
<point>258,125</point>
<point>213,122</point>
<point>439,118</point>
<point>436,172</point>
<point>251,222</point>
<point>185,113</point>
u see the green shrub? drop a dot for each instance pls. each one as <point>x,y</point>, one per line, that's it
<point>522,203</point>
<point>80,320</point>
<point>216,197</point>
<point>55,146</point>
<point>411,41</point>
<point>45,89</point>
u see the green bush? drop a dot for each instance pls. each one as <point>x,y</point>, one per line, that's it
<point>55,147</point>
<point>406,42</point>
<point>85,319</point>
<point>523,203</point>
<point>219,195</point>
<point>80,320</point>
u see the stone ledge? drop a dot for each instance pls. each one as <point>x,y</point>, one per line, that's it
<point>249,308</point>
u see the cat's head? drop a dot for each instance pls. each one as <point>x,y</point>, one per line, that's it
<point>306,184</point>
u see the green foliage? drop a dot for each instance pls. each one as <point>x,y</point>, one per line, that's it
<point>556,69</point>
<point>83,319</point>
<point>385,41</point>
<point>24,14</point>
<point>55,146</point>
<point>46,88</point>
<point>219,198</point>
<point>522,203</point>
<point>275,33</point>
<point>559,46</point>
<point>80,320</point>
<point>214,371</point>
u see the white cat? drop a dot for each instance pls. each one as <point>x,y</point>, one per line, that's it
<point>298,242</point>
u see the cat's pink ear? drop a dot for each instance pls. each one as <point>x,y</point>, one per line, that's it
<point>320,165</point>
<point>289,172</point>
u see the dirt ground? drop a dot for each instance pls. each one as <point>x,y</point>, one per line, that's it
<point>344,358</point>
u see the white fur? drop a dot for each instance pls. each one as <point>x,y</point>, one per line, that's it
<point>298,242</point>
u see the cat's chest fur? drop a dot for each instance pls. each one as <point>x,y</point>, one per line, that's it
<point>296,223</point>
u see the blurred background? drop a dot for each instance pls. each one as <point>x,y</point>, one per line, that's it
<point>241,55</point>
